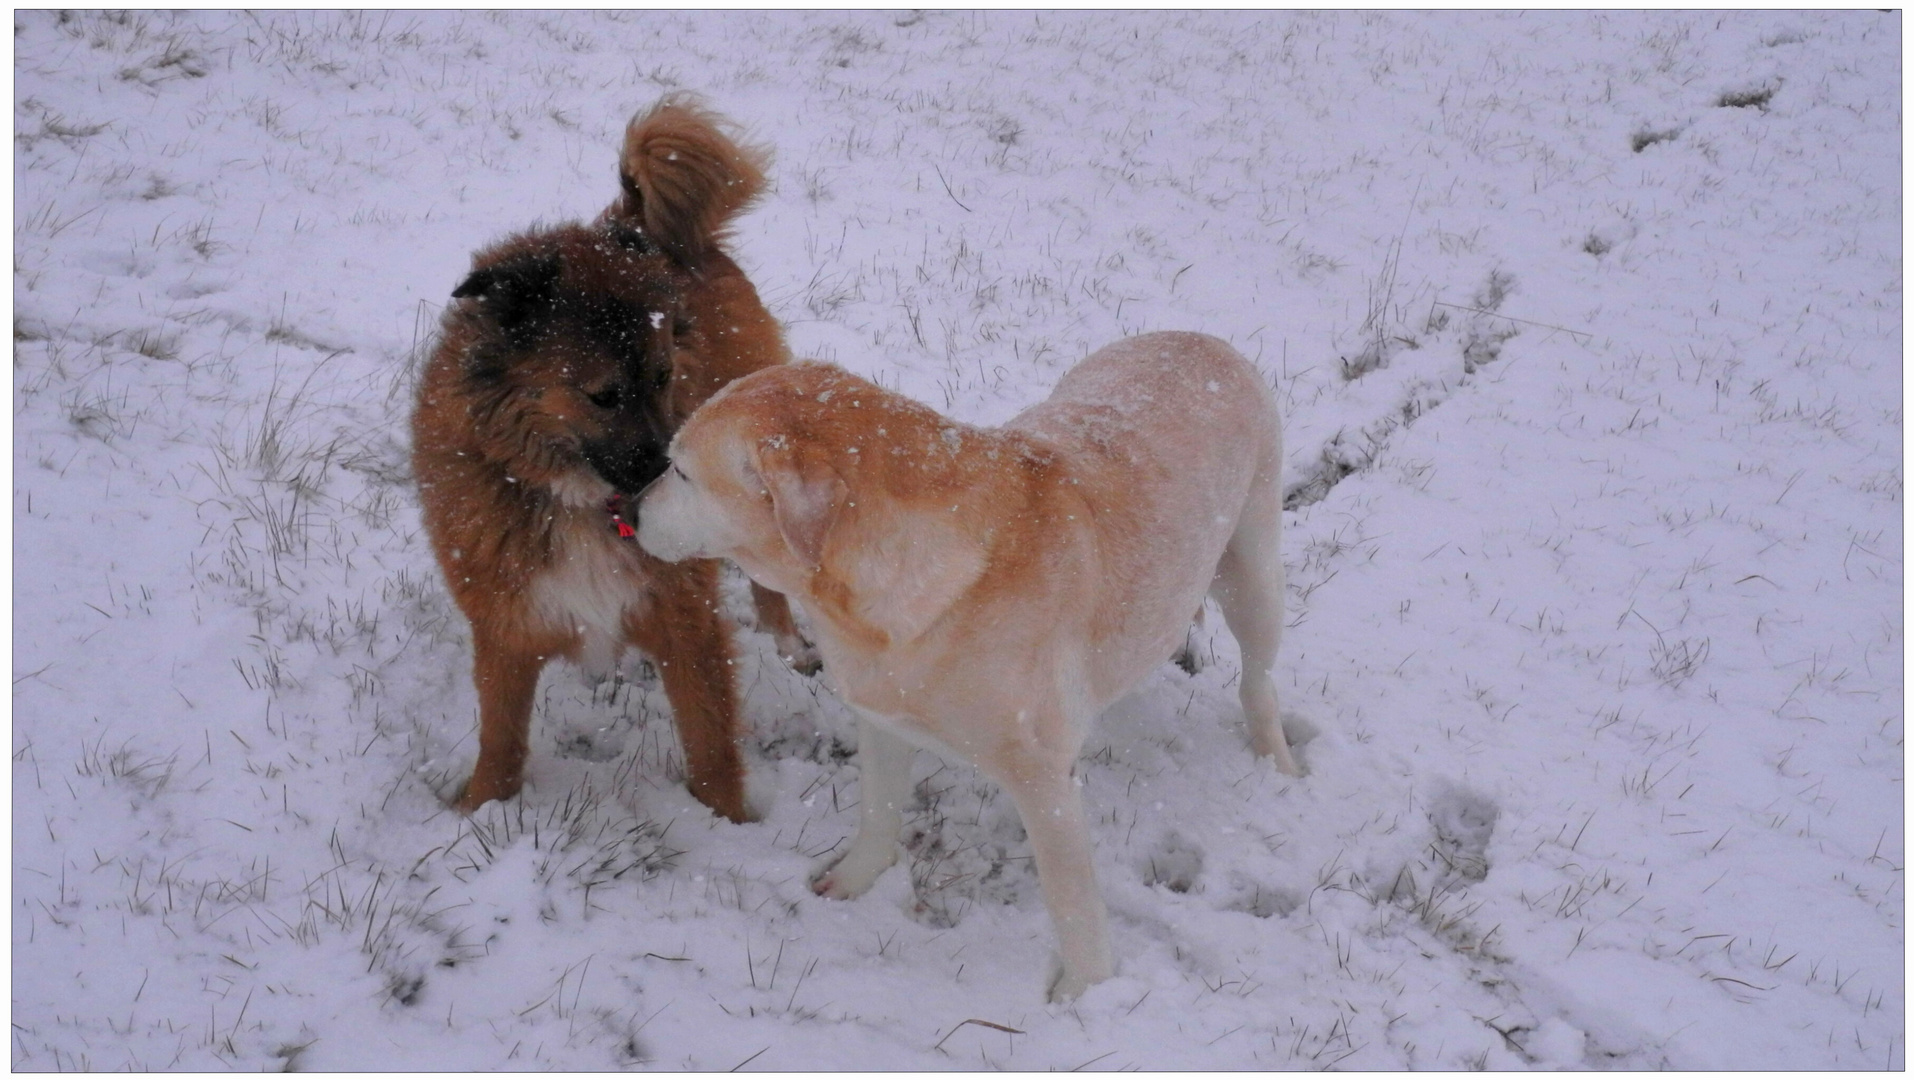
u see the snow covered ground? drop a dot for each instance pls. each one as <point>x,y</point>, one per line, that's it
<point>1587,330</point>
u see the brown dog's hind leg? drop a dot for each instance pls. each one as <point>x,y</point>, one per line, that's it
<point>506,679</point>
<point>685,633</point>
<point>774,618</point>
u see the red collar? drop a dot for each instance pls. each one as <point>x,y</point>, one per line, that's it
<point>615,506</point>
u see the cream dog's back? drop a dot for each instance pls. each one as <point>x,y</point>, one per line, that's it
<point>1157,432</point>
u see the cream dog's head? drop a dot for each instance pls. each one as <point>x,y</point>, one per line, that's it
<point>739,485</point>
<point>828,488</point>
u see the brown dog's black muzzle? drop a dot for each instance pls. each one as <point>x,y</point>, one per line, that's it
<point>627,468</point>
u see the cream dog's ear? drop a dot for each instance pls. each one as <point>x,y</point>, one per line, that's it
<point>806,496</point>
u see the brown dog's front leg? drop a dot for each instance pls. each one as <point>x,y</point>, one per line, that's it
<point>684,632</point>
<point>506,679</point>
<point>774,617</point>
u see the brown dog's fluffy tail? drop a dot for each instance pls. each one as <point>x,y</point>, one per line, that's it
<point>685,177</point>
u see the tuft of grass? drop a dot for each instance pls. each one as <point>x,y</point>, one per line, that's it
<point>155,345</point>
<point>579,838</point>
<point>1379,343</point>
<point>1749,98</point>
<point>56,126</point>
<point>145,772</point>
<point>50,221</point>
<point>1647,137</point>
<point>174,61</point>
<point>1673,663</point>
<point>102,413</point>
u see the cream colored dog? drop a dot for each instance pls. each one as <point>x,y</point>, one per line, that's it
<point>987,592</point>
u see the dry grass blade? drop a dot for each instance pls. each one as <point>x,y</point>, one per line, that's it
<point>980,1023</point>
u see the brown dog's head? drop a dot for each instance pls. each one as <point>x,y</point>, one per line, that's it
<point>572,353</point>
<point>571,350</point>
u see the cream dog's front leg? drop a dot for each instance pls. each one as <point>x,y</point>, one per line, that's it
<point>883,783</point>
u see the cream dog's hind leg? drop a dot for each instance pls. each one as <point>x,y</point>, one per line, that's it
<point>1249,589</point>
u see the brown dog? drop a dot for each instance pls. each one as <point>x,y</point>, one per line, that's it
<point>988,592</point>
<point>572,355</point>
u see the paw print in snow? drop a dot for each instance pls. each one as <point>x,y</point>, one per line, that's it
<point>1464,822</point>
<point>1174,863</point>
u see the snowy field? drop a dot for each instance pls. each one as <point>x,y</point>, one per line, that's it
<point>1587,333</point>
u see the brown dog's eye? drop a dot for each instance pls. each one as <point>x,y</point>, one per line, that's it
<point>607,398</point>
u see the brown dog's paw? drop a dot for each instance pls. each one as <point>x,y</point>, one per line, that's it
<point>737,815</point>
<point>478,791</point>
<point>728,804</point>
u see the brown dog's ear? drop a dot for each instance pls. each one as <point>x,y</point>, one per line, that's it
<point>806,496</point>
<point>684,178</point>
<point>513,292</point>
